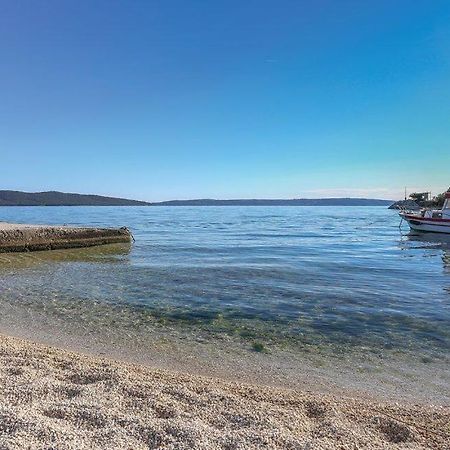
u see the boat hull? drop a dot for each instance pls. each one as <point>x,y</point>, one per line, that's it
<point>427,224</point>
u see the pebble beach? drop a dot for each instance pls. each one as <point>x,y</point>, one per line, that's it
<point>56,399</point>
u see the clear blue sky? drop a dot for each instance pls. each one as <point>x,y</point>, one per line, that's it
<point>228,99</point>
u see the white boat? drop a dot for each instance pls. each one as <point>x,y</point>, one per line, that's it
<point>435,221</point>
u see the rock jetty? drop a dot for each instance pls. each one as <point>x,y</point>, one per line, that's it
<point>26,238</point>
<point>405,204</point>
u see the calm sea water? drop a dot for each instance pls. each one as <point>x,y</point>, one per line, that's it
<point>333,278</point>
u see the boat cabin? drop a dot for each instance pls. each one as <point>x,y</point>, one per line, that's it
<point>446,207</point>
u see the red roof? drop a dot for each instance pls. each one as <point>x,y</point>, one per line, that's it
<point>447,194</point>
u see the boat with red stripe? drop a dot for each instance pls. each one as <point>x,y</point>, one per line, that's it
<point>431,220</point>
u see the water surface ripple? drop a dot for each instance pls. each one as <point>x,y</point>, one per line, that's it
<point>336,278</point>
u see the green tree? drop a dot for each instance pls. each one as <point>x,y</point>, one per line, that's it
<point>438,200</point>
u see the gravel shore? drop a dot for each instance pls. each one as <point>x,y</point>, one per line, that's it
<point>55,399</point>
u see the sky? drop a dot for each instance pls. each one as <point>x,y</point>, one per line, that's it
<point>157,100</point>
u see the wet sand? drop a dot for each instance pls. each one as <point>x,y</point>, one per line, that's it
<point>52,398</point>
<point>358,372</point>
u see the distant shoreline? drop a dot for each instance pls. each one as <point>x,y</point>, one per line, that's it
<point>53,198</point>
<point>279,202</point>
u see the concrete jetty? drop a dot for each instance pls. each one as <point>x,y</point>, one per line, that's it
<point>27,238</point>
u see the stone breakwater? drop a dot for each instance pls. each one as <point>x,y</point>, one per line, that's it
<point>26,238</point>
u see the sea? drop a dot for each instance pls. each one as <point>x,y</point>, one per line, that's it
<point>331,281</point>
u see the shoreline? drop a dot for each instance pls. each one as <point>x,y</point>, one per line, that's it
<point>73,400</point>
<point>360,374</point>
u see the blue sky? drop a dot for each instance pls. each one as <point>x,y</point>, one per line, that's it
<point>158,100</point>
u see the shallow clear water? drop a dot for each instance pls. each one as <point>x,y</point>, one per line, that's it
<point>332,278</point>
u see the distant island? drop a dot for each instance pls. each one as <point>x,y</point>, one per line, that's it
<point>54,198</point>
<point>279,202</point>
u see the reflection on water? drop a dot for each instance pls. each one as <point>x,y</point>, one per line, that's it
<point>446,259</point>
<point>438,240</point>
<point>430,241</point>
<point>330,279</point>
<point>110,253</point>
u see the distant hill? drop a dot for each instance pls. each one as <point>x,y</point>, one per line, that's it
<point>53,198</point>
<point>272,202</point>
